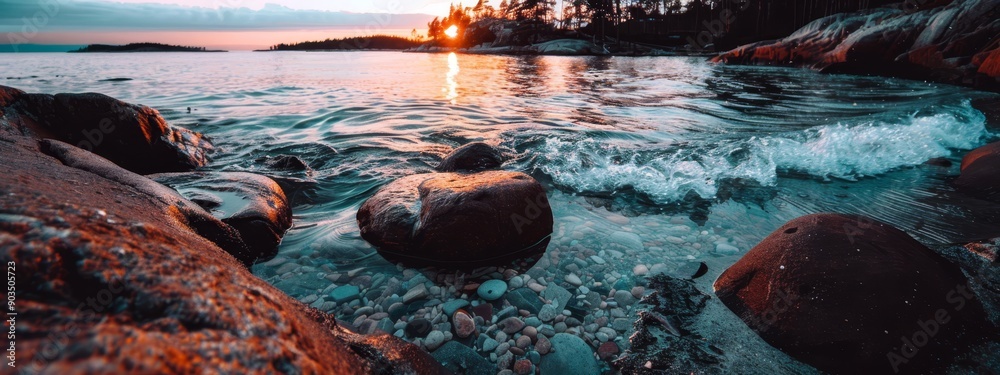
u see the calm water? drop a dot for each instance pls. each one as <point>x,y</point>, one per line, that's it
<point>653,161</point>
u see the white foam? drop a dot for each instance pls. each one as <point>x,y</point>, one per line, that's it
<point>835,151</point>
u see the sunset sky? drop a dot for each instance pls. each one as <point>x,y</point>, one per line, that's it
<point>229,24</point>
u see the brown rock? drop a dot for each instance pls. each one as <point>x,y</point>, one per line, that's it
<point>458,220</point>
<point>113,278</point>
<point>463,324</point>
<point>845,293</point>
<point>981,171</point>
<point>473,157</point>
<point>607,350</point>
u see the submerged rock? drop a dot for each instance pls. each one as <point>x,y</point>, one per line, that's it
<point>953,42</point>
<point>473,157</point>
<point>133,136</point>
<point>113,277</point>
<point>254,205</point>
<point>458,220</point>
<point>847,294</point>
<point>569,355</point>
<point>981,171</point>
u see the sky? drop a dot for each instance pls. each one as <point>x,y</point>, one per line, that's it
<point>226,24</point>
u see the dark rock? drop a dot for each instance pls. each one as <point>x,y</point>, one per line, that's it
<point>473,157</point>
<point>134,137</point>
<point>461,359</point>
<point>285,163</point>
<point>665,334</point>
<point>522,367</point>
<point>418,328</point>
<point>951,42</point>
<point>607,350</point>
<point>511,325</point>
<point>846,294</point>
<point>113,278</point>
<point>525,299</point>
<point>939,162</point>
<point>458,220</point>
<point>980,174</point>
<point>483,310</point>
<point>253,205</point>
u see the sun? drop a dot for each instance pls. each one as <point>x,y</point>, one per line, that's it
<point>452,31</point>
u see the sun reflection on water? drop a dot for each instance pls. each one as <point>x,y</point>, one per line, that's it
<point>451,84</point>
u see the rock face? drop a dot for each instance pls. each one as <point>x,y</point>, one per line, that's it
<point>458,220</point>
<point>847,294</point>
<point>254,205</point>
<point>950,41</point>
<point>473,157</point>
<point>134,137</point>
<point>113,277</point>
<point>981,171</point>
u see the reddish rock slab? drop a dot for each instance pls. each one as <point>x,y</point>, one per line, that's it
<point>980,175</point>
<point>111,278</point>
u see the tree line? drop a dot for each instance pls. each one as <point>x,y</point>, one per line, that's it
<point>661,22</point>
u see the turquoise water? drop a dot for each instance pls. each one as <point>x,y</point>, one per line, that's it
<point>649,162</point>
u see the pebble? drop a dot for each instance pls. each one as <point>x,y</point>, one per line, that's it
<point>640,270</point>
<point>516,282</point>
<point>607,350</point>
<point>723,248</point>
<point>528,332</point>
<point>511,325</point>
<point>417,292</point>
<point>492,290</point>
<point>490,345</point>
<point>638,291</point>
<point>522,367</point>
<point>547,313</point>
<point>573,279</point>
<point>451,306</point>
<point>463,324</point>
<point>543,345</point>
<point>418,328</point>
<point>597,259</point>
<point>434,340</point>
<point>345,293</point>
<point>624,298</point>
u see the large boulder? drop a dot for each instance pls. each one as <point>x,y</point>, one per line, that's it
<point>953,42</point>
<point>458,220</point>
<point>252,204</point>
<point>133,136</point>
<point>848,294</point>
<point>981,171</point>
<point>570,355</point>
<point>112,278</point>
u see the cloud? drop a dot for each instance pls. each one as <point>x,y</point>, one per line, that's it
<point>218,15</point>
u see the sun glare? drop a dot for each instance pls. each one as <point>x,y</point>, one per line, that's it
<point>452,31</point>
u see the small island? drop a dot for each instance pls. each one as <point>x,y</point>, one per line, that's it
<point>142,47</point>
<point>374,42</point>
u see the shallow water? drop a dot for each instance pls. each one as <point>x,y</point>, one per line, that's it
<point>648,161</point>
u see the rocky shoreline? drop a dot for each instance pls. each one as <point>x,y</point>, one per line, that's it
<point>130,261</point>
<point>954,42</point>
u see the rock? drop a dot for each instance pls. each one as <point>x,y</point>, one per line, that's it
<point>543,345</point>
<point>800,286</point>
<point>285,163</point>
<point>547,313</point>
<point>573,279</point>
<point>473,157</point>
<point>522,342</point>
<point>418,291</point>
<point>165,296</point>
<point>525,299</point>
<point>953,43</point>
<point>530,332</point>
<point>980,175</point>
<point>460,359</point>
<point>254,205</point>
<point>607,350</point>
<point>345,293</point>
<point>451,306</point>
<point>463,323</point>
<point>483,310</point>
<point>132,136</point>
<point>560,295</point>
<point>569,355</point>
<point>492,290</point>
<point>726,249</point>
<point>418,328</point>
<point>507,312</point>
<point>637,292</point>
<point>456,220</point>
<point>522,367</point>
<point>511,325</point>
<point>489,344</point>
<point>624,298</point>
<point>434,340</point>
<point>691,270</point>
<point>569,47</point>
